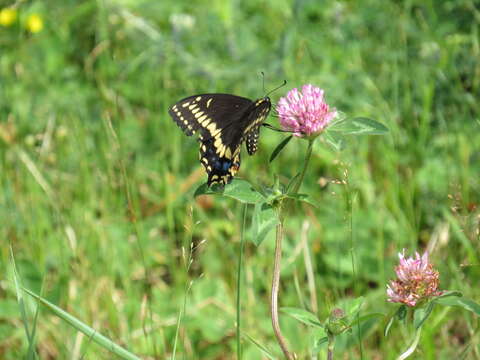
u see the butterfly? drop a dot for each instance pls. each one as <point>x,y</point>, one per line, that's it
<point>223,122</point>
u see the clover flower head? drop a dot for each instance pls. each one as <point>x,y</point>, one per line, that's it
<point>417,280</point>
<point>305,113</point>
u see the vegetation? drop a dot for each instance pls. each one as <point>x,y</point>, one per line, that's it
<point>97,181</point>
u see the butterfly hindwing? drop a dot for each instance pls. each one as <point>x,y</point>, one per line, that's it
<point>220,167</point>
<point>223,122</point>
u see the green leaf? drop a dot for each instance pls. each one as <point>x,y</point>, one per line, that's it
<point>334,139</point>
<point>359,126</point>
<point>238,189</point>
<point>302,315</point>
<point>354,306</point>
<point>91,333</point>
<point>260,347</point>
<point>303,198</point>
<point>21,300</point>
<point>389,325</point>
<point>291,182</point>
<point>422,314</point>
<point>462,302</point>
<point>319,343</point>
<point>449,293</point>
<point>265,218</point>
<point>400,314</point>
<point>361,319</point>
<point>280,147</point>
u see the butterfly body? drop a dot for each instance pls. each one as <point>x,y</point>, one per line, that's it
<point>223,122</point>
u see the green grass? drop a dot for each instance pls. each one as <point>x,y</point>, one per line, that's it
<point>96,181</point>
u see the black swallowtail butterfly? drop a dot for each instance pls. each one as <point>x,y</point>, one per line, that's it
<point>223,122</point>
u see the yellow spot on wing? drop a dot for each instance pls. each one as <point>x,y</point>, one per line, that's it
<point>194,111</point>
<point>212,127</point>
<point>186,104</point>
<point>202,118</point>
<point>198,98</point>
<point>197,115</point>
<point>221,151</point>
<point>228,153</point>
<point>193,106</point>
<point>208,102</point>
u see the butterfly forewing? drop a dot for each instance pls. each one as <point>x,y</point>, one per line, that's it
<point>196,112</point>
<point>223,122</point>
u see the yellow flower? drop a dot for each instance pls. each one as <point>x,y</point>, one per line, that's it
<point>34,23</point>
<point>8,16</point>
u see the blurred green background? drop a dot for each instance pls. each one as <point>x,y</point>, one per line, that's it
<point>96,181</point>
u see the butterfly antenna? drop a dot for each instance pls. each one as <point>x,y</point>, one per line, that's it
<point>263,80</point>
<point>278,87</point>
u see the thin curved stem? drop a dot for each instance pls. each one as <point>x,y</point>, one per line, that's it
<point>274,296</point>
<point>239,282</point>
<point>412,347</point>
<point>308,155</point>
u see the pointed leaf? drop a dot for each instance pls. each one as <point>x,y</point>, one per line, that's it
<point>399,315</point>
<point>449,293</point>
<point>361,319</point>
<point>303,198</point>
<point>291,182</point>
<point>87,330</point>
<point>260,347</point>
<point>238,189</point>
<point>401,312</point>
<point>280,147</point>
<point>354,306</point>
<point>334,139</point>
<point>389,325</point>
<point>265,218</point>
<point>303,316</point>
<point>359,126</point>
<point>465,303</point>
<point>20,299</point>
<point>422,314</point>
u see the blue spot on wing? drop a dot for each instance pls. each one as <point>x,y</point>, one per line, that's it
<point>221,168</point>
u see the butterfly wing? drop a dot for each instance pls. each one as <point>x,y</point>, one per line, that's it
<point>222,121</point>
<point>195,112</point>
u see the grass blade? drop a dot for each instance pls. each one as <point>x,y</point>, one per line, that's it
<point>87,330</point>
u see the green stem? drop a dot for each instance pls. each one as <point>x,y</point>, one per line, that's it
<point>275,287</point>
<point>239,282</point>
<point>308,155</point>
<point>412,347</point>
<point>331,346</point>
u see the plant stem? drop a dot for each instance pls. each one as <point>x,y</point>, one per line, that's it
<point>412,347</point>
<point>308,155</point>
<point>277,264</point>
<point>239,282</point>
<point>331,346</point>
<point>274,296</point>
